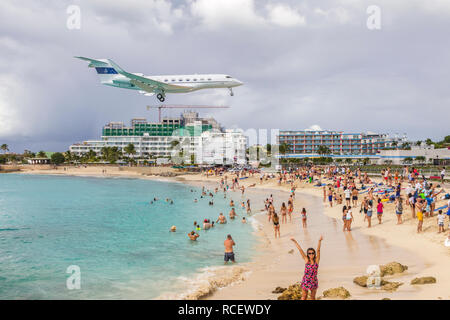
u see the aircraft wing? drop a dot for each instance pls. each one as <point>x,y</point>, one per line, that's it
<point>94,62</point>
<point>143,82</point>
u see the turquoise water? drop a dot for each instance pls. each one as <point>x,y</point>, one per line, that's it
<point>108,228</point>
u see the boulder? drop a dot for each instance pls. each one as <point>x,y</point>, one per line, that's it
<point>291,251</point>
<point>390,286</point>
<point>361,281</point>
<point>392,268</point>
<point>423,280</point>
<point>279,290</point>
<point>340,292</point>
<point>293,292</point>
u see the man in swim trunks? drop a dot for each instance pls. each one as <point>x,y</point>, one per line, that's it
<point>221,219</point>
<point>193,236</point>
<point>229,254</point>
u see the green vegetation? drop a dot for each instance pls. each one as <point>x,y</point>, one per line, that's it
<point>57,158</point>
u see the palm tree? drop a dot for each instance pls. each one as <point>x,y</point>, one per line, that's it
<point>418,143</point>
<point>4,147</point>
<point>68,156</point>
<point>91,155</point>
<point>130,150</point>
<point>322,150</point>
<point>41,154</point>
<point>283,148</point>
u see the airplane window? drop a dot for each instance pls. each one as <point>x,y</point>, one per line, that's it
<point>166,80</point>
<point>202,79</point>
<point>180,80</point>
<point>188,80</point>
<point>209,79</point>
<point>174,80</point>
<point>194,80</point>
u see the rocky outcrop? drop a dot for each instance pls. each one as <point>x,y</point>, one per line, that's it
<point>293,292</point>
<point>340,292</point>
<point>392,268</point>
<point>361,281</point>
<point>385,285</point>
<point>279,290</point>
<point>391,286</point>
<point>423,280</point>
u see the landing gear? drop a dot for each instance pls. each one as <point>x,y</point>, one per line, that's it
<point>231,92</point>
<point>160,97</point>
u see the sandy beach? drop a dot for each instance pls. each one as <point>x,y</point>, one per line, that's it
<point>345,255</point>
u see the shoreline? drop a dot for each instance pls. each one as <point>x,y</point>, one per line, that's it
<point>424,247</point>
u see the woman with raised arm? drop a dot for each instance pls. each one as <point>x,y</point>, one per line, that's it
<point>310,282</point>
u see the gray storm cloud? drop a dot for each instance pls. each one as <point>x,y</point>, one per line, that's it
<point>304,63</point>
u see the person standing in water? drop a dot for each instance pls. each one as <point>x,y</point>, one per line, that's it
<point>304,217</point>
<point>312,259</point>
<point>276,224</point>
<point>228,244</point>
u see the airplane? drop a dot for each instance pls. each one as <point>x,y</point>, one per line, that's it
<point>112,75</point>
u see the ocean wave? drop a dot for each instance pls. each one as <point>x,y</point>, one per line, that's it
<point>206,282</point>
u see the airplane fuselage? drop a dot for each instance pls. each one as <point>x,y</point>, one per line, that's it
<point>189,83</point>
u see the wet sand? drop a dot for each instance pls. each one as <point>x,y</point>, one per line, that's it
<point>344,255</point>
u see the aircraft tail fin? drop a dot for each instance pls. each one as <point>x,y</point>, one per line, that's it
<point>105,70</point>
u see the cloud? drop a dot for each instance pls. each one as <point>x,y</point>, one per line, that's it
<point>301,62</point>
<point>285,16</point>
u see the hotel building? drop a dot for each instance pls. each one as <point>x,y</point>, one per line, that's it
<point>305,143</point>
<point>202,137</point>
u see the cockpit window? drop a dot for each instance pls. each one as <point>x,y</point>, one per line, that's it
<point>228,77</point>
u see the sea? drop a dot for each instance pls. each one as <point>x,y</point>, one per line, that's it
<point>66,237</point>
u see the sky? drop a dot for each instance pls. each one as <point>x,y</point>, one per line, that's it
<point>304,64</point>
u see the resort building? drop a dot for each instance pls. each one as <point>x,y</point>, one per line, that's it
<point>177,138</point>
<point>428,154</point>
<point>306,143</point>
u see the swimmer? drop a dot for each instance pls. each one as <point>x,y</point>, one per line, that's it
<point>244,220</point>
<point>193,236</point>
<point>173,229</point>
<point>232,214</point>
<point>195,200</point>
<point>221,219</point>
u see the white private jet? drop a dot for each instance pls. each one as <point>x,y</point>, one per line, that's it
<point>112,75</point>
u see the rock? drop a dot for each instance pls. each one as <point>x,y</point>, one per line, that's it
<point>392,268</point>
<point>294,292</point>
<point>423,280</point>
<point>361,281</point>
<point>279,290</point>
<point>340,292</point>
<point>291,251</point>
<point>390,286</point>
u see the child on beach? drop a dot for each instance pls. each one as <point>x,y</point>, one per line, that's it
<point>380,207</point>
<point>348,219</point>
<point>283,211</point>
<point>420,206</point>
<point>441,221</point>
<point>304,217</point>
<point>399,209</point>
<point>312,259</point>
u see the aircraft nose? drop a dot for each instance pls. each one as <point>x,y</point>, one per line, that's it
<point>238,83</point>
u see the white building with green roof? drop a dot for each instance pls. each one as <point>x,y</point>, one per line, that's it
<point>203,138</point>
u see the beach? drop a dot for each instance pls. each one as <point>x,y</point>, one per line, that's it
<point>345,255</point>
